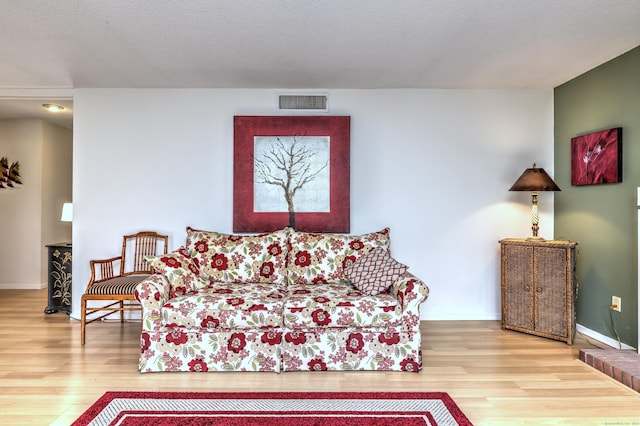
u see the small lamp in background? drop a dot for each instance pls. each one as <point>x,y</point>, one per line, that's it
<point>534,179</point>
<point>67,212</point>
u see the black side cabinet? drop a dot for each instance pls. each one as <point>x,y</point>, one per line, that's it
<point>59,278</point>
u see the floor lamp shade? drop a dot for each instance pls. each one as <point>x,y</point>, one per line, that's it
<point>534,179</point>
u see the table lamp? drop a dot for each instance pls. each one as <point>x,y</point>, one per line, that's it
<point>534,179</point>
<point>67,212</point>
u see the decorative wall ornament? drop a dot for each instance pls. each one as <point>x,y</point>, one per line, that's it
<point>9,175</point>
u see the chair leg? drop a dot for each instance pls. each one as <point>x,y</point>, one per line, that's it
<point>83,320</point>
<point>122,311</point>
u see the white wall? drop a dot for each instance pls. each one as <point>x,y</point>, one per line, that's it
<point>57,172</point>
<point>433,165</point>
<point>20,228</point>
<point>30,213</point>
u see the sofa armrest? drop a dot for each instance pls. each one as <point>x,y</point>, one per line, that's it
<point>410,292</point>
<point>152,293</point>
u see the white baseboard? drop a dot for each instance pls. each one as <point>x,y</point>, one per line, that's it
<point>429,316</point>
<point>23,286</point>
<point>602,338</point>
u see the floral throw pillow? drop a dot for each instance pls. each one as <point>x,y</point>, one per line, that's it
<point>375,272</point>
<point>182,271</point>
<point>233,258</point>
<point>316,258</point>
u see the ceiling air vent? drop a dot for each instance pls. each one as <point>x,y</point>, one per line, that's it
<point>303,102</point>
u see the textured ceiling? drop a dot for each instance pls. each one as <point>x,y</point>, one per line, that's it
<point>309,43</point>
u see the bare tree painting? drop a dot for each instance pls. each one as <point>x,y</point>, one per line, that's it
<point>291,173</point>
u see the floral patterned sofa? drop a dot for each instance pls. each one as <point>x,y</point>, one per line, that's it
<point>280,301</point>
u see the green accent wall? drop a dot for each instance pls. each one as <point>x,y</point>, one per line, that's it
<point>602,218</point>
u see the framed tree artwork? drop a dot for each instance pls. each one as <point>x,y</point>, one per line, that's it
<point>596,157</point>
<point>291,171</point>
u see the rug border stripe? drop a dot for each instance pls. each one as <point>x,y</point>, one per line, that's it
<point>444,397</point>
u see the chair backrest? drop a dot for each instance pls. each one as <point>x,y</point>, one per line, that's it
<point>136,246</point>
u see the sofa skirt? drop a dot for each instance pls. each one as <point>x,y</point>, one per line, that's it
<point>241,350</point>
<point>351,349</point>
<point>278,350</point>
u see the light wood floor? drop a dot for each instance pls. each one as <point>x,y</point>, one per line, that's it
<point>497,377</point>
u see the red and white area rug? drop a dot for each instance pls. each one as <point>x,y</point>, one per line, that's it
<point>274,409</point>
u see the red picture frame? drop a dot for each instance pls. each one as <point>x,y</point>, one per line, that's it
<point>247,128</point>
<point>596,158</point>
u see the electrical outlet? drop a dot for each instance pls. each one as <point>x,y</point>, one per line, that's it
<point>616,303</point>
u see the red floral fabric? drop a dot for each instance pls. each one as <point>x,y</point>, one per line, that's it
<point>338,305</point>
<point>240,258</point>
<point>189,350</point>
<point>182,271</point>
<point>226,306</point>
<point>322,258</point>
<point>351,349</point>
<point>241,323</point>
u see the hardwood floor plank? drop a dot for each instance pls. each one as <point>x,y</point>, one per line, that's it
<point>497,377</point>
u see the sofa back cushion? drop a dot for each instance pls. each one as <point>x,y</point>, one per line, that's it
<point>322,258</point>
<point>232,258</point>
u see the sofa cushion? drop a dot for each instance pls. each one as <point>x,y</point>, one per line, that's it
<point>321,258</point>
<point>375,272</point>
<point>338,305</point>
<point>226,306</point>
<point>182,271</point>
<point>240,258</point>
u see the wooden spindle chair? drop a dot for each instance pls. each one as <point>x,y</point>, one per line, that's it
<point>115,279</point>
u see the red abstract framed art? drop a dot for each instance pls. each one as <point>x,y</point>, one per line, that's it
<point>596,157</point>
<point>291,171</point>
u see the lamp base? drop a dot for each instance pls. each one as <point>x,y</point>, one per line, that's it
<point>535,238</point>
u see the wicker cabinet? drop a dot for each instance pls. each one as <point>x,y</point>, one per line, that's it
<point>538,287</point>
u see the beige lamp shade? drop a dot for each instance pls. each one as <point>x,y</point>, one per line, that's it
<point>67,212</point>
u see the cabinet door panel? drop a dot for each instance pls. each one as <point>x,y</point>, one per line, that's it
<point>551,290</point>
<point>518,286</point>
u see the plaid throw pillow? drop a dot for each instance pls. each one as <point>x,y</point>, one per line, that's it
<point>375,272</point>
